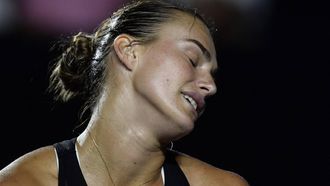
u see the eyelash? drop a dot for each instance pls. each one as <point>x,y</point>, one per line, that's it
<point>194,64</point>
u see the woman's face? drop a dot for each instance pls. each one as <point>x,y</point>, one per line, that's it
<point>174,73</point>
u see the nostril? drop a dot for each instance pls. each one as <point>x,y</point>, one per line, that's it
<point>208,89</point>
<point>205,88</point>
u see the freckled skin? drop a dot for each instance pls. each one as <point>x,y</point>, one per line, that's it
<point>164,71</point>
<point>144,107</point>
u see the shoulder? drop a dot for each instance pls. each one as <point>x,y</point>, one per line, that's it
<point>202,173</point>
<point>37,167</point>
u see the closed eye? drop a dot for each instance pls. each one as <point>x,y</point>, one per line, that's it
<point>193,63</point>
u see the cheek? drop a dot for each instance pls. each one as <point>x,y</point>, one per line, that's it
<point>169,71</point>
<point>156,77</point>
<point>164,70</point>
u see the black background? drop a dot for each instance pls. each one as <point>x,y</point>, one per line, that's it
<point>268,122</point>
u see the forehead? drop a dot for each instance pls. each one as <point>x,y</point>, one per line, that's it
<point>188,27</point>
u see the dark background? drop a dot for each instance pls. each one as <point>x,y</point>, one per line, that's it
<point>268,122</point>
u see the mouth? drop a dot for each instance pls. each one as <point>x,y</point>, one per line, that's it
<point>195,100</point>
<point>191,101</point>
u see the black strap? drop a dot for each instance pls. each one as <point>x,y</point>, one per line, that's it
<point>69,171</point>
<point>173,173</point>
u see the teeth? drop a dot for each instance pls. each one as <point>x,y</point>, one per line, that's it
<point>191,101</point>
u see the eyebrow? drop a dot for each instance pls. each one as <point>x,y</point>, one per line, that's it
<point>205,52</point>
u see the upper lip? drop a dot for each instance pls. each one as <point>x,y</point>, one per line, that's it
<point>199,99</point>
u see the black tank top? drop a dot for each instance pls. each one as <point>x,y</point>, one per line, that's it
<point>69,173</point>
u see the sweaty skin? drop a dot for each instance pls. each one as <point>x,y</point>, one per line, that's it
<point>144,105</point>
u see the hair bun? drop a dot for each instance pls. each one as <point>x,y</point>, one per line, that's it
<point>82,44</point>
<point>72,70</point>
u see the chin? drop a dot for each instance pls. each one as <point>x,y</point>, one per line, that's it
<point>182,123</point>
<point>186,127</point>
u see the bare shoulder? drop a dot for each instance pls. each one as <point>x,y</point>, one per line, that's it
<point>202,173</point>
<point>37,167</point>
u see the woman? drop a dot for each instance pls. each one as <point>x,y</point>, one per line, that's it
<point>144,74</point>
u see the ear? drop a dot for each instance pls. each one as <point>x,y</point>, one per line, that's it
<point>125,50</point>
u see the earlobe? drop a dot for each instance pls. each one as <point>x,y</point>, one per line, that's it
<point>124,50</point>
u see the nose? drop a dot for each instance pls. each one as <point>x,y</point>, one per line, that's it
<point>207,84</point>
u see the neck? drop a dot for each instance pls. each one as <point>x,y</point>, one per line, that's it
<point>112,145</point>
<point>125,140</point>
